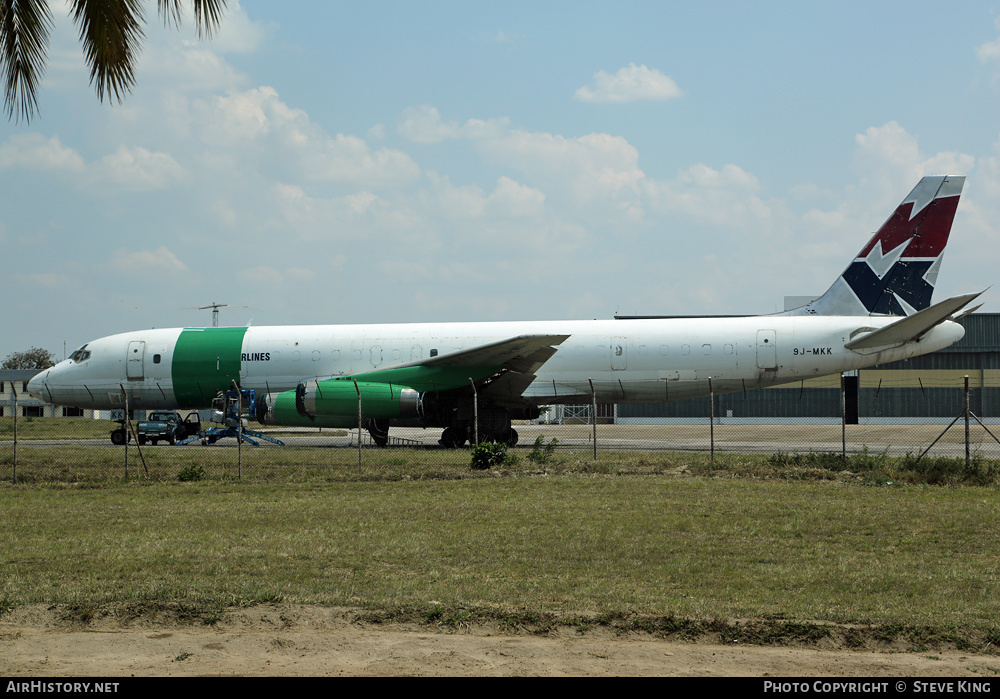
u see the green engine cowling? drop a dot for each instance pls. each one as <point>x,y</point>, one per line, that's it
<point>279,409</point>
<point>334,403</point>
<point>339,397</point>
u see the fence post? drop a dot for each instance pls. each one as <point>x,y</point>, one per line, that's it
<point>843,418</point>
<point>475,412</point>
<point>359,423</point>
<point>15,429</point>
<point>239,431</point>
<point>711,421</point>
<point>967,420</point>
<point>593,413</point>
<point>127,425</point>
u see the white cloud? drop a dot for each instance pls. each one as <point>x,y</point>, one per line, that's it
<point>269,276</point>
<point>423,124</point>
<point>138,169</point>
<point>727,198</point>
<point>32,151</point>
<point>889,162</point>
<point>237,32</point>
<point>594,161</point>
<point>362,218</point>
<point>47,280</point>
<point>346,158</point>
<point>990,50</point>
<point>630,84</point>
<point>597,172</point>
<point>730,177</point>
<point>257,124</point>
<point>144,261</point>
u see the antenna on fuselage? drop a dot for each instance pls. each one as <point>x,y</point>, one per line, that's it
<point>215,310</point>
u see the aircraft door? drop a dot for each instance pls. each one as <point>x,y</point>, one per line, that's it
<point>619,353</point>
<point>134,360</point>
<point>767,355</point>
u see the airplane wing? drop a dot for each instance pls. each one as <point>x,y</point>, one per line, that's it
<point>912,327</point>
<point>526,353</point>
<point>522,356</point>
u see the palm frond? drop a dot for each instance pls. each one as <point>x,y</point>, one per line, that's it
<point>207,14</point>
<point>24,40</point>
<point>111,32</point>
<point>170,11</point>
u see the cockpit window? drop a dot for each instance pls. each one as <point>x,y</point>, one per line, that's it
<point>81,355</point>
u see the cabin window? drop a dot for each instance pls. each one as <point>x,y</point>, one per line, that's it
<point>434,353</point>
<point>728,349</point>
<point>685,349</point>
<point>706,349</point>
<point>156,359</point>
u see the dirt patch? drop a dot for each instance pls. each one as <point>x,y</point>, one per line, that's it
<point>290,640</point>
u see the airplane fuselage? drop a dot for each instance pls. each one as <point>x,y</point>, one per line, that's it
<point>624,361</point>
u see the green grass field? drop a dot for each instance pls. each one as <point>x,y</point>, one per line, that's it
<point>783,541</point>
<point>667,546</point>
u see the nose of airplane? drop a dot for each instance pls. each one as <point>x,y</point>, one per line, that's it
<point>36,385</point>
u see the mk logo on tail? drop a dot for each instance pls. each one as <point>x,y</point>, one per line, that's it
<point>895,273</point>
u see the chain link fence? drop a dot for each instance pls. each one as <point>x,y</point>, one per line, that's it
<point>954,415</point>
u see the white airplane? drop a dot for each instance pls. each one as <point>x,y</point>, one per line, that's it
<point>879,310</point>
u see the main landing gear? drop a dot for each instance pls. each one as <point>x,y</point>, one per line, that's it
<point>379,431</point>
<point>454,437</point>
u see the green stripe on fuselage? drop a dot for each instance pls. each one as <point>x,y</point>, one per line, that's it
<point>206,360</point>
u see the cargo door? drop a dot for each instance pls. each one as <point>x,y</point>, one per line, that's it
<point>134,360</point>
<point>619,354</point>
<point>767,355</point>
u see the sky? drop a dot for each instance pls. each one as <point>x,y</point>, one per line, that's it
<point>340,162</point>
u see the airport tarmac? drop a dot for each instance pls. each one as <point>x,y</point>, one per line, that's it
<point>895,439</point>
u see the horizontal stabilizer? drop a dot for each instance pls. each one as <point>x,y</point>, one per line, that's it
<point>912,327</point>
<point>967,311</point>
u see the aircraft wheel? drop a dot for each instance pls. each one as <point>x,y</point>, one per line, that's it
<point>452,438</point>
<point>118,437</point>
<point>379,431</point>
<point>512,438</point>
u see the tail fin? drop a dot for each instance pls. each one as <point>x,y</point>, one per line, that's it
<point>895,273</point>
